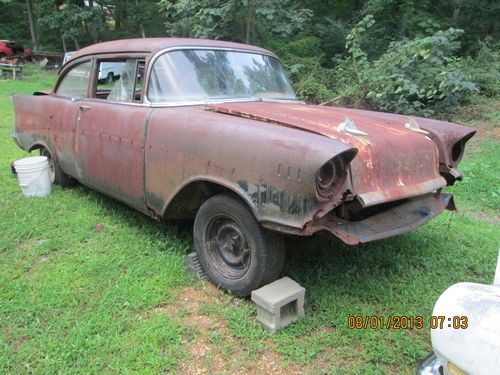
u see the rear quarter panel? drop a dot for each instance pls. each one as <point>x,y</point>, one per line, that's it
<point>47,120</point>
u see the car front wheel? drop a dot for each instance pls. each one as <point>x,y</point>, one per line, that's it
<point>235,251</point>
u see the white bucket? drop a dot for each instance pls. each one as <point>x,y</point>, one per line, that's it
<point>33,176</point>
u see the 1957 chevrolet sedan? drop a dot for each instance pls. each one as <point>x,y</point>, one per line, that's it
<point>213,130</point>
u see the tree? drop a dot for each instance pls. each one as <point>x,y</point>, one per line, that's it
<point>251,21</point>
<point>71,21</point>
<point>31,18</point>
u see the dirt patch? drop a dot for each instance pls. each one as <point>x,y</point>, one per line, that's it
<point>487,217</point>
<point>485,132</point>
<point>210,347</point>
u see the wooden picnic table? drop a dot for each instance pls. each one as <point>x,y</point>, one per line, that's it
<point>4,68</point>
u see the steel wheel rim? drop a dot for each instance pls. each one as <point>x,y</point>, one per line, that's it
<point>228,247</point>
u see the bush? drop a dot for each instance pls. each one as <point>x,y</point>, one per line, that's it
<point>484,69</point>
<point>413,76</point>
<point>309,78</point>
<point>418,76</point>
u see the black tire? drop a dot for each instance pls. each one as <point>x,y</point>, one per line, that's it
<point>57,176</point>
<point>235,251</point>
<point>110,77</point>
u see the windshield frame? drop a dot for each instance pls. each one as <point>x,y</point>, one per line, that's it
<point>201,102</point>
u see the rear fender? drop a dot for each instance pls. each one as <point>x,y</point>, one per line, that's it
<point>47,121</point>
<point>450,140</point>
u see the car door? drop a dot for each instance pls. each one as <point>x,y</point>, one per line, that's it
<point>56,113</point>
<point>110,132</point>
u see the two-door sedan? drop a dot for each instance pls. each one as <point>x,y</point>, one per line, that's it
<point>213,130</point>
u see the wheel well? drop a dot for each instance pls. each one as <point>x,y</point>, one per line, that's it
<point>37,146</point>
<point>186,202</point>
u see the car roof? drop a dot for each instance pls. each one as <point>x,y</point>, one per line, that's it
<point>153,45</point>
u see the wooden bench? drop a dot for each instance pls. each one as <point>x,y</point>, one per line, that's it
<point>15,69</point>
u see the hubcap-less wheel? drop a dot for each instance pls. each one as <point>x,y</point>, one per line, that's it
<point>56,175</point>
<point>52,168</point>
<point>235,252</point>
<point>228,247</point>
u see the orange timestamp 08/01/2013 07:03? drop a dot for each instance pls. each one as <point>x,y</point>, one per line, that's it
<point>407,322</point>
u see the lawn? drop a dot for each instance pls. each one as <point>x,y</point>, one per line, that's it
<point>87,285</point>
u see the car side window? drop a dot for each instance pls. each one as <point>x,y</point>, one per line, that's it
<point>75,83</point>
<point>120,80</point>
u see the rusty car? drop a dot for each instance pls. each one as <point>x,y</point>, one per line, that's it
<point>213,131</point>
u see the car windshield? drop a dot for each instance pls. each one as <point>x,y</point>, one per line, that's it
<point>208,75</point>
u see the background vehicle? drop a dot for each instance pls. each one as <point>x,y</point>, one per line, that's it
<point>109,72</point>
<point>10,48</point>
<point>213,130</point>
<point>67,57</point>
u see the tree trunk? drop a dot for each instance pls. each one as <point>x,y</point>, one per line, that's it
<point>456,14</point>
<point>93,29</point>
<point>249,21</point>
<point>31,20</point>
<point>64,44</point>
<point>141,26</point>
<point>77,45</point>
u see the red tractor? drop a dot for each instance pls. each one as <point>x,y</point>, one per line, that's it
<point>9,48</point>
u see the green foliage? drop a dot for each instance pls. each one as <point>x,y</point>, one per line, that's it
<point>71,21</point>
<point>484,69</point>
<point>416,76</point>
<point>305,47</point>
<point>303,60</point>
<point>313,85</point>
<point>13,21</point>
<point>234,19</point>
<point>413,76</point>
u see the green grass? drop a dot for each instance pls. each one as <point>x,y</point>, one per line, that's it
<point>78,299</point>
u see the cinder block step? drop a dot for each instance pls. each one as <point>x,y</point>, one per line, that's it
<point>279,303</point>
<point>193,266</point>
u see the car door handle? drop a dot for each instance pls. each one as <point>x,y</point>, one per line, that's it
<point>84,107</point>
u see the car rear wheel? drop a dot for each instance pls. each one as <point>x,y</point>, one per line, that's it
<point>235,251</point>
<point>56,175</point>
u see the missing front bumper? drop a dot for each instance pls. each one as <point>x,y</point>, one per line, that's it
<point>403,218</point>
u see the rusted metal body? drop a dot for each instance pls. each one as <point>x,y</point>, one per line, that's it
<point>165,160</point>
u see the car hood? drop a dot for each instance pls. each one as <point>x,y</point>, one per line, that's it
<point>396,159</point>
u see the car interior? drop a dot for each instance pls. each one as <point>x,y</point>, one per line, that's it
<point>122,81</point>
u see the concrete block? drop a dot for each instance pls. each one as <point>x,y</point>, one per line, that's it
<point>279,303</point>
<point>193,265</point>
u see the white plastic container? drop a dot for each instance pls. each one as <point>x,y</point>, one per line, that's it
<point>473,347</point>
<point>33,176</point>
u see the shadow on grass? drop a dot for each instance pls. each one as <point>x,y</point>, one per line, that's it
<point>173,229</point>
<point>308,258</point>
